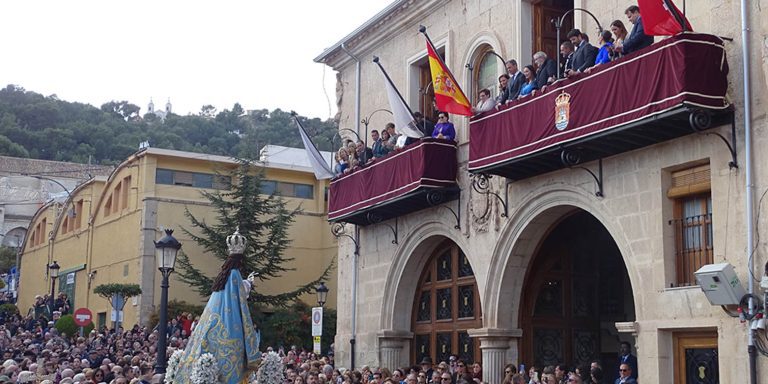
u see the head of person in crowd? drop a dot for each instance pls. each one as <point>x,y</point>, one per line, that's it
<point>633,14</point>
<point>390,127</point>
<point>566,49</point>
<point>538,59</point>
<point>575,36</point>
<point>619,30</point>
<point>605,37</point>
<point>560,371</point>
<point>511,66</point>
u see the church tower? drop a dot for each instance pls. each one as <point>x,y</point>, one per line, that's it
<point>151,107</point>
<point>168,106</point>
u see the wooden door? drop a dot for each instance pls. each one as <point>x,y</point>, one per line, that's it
<point>544,31</point>
<point>446,305</point>
<point>696,358</point>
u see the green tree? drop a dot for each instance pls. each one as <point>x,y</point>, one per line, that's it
<point>293,326</point>
<point>7,258</point>
<point>262,220</point>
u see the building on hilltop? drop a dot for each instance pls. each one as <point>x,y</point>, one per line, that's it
<point>160,113</point>
<point>561,225</point>
<point>109,238</point>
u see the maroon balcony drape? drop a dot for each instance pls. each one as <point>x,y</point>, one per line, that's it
<point>685,69</point>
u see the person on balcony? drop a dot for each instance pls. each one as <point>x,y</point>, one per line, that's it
<point>377,147</point>
<point>516,80</point>
<point>342,163</point>
<point>606,47</point>
<point>393,136</point>
<point>585,55</point>
<point>502,97</point>
<point>637,38</point>
<point>363,153</point>
<point>566,52</point>
<point>444,129</point>
<point>547,70</point>
<point>530,81</point>
<point>485,102</point>
<point>385,149</point>
<point>619,35</point>
<point>424,125</point>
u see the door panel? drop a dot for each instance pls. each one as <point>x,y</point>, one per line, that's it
<point>696,358</point>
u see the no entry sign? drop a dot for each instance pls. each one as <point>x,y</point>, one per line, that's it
<point>83,317</point>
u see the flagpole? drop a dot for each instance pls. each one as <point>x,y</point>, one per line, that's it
<point>680,19</point>
<point>386,75</point>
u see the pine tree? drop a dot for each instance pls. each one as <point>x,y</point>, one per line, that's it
<point>263,220</point>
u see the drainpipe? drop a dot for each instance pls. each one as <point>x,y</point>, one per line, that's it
<point>357,87</point>
<point>751,349</point>
<point>357,229</point>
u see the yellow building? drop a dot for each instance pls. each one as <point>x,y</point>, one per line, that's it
<point>104,232</point>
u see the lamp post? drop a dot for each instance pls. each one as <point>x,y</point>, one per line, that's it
<point>54,273</point>
<point>165,252</point>
<point>322,294</point>
<point>559,24</point>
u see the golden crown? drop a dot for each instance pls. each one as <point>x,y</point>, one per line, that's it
<point>562,98</point>
<point>236,243</point>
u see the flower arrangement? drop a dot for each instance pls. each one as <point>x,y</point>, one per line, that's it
<point>271,369</point>
<point>205,370</point>
<point>173,366</point>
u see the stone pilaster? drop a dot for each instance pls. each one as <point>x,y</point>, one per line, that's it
<point>393,348</point>
<point>496,348</point>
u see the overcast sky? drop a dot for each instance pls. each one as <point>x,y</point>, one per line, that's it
<point>257,53</point>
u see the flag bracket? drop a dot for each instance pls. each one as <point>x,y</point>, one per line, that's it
<point>339,230</point>
<point>701,120</point>
<point>571,158</point>
<point>457,213</point>
<point>481,184</point>
<point>375,218</point>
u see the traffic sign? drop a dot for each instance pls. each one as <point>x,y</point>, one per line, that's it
<point>83,317</point>
<point>317,321</point>
<point>316,345</point>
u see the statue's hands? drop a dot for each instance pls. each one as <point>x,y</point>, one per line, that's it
<point>252,278</point>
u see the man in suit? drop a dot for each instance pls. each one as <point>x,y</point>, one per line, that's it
<point>585,55</point>
<point>637,39</point>
<point>566,52</point>
<point>626,357</point>
<point>546,70</point>
<point>625,377</point>
<point>516,80</point>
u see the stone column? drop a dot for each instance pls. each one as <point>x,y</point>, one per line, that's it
<point>495,345</point>
<point>393,348</point>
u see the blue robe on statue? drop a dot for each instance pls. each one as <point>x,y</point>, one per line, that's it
<point>226,331</point>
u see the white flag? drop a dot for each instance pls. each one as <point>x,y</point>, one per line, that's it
<point>319,165</point>
<point>404,122</point>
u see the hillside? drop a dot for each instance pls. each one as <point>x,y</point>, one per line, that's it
<point>45,127</point>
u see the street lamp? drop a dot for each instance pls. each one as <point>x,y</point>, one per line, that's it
<point>165,252</point>
<point>54,273</point>
<point>322,293</point>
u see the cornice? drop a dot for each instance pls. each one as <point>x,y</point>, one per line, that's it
<point>395,19</point>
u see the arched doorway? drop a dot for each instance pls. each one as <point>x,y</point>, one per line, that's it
<point>576,288</point>
<point>446,304</point>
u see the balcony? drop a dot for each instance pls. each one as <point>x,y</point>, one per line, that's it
<point>673,88</point>
<point>420,176</point>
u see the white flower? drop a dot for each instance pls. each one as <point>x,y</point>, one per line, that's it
<point>205,370</point>
<point>271,369</point>
<point>173,366</point>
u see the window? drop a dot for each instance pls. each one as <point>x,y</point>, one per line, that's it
<point>108,207</point>
<point>284,189</point>
<point>192,179</point>
<point>116,197</point>
<point>486,73</point>
<point>692,222</point>
<point>78,213</point>
<point>126,186</point>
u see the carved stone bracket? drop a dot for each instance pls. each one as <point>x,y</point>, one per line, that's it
<point>481,184</point>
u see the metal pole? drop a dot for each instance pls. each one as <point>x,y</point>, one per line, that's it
<point>749,185</point>
<point>162,342</point>
<point>50,299</point>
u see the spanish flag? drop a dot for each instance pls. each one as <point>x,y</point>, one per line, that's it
<point>662,18</point>
<point>448,95</point>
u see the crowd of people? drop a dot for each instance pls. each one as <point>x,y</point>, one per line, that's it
<point>355,155</point>
<point>578,56</point>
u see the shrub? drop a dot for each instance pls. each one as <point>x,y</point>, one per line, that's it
<point>66,324</point>
<point>176,308</point>
<point>8,310</point>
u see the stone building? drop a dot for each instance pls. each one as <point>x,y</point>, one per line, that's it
<point>104,231</point>
<point>563,224</point>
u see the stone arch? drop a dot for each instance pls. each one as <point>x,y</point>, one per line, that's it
<point>520,238</point>
<point>407,265</point>
<point>15,237</point>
